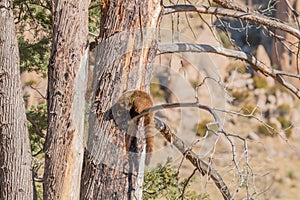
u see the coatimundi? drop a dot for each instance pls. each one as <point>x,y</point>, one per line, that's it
<point>130,105</point>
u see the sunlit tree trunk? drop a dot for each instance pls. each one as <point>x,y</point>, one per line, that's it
<point>66,102</point>
<point>15,157</point>
<point>123,63</point>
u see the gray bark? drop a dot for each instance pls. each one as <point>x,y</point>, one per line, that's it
<point>15,156</point>
<point>66,100</point>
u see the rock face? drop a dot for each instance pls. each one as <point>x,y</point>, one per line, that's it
<point>33,87</point>
<point>279,55</point>
<point>262,55</point>
<point>252,136</point>
<point>253,39</point>
<point>274,104</point>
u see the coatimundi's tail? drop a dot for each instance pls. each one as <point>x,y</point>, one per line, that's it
<point>134,103</point>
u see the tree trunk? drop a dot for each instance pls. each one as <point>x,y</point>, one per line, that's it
<point>15,156</point>
<point>66,103</point>
<point>123,62</point>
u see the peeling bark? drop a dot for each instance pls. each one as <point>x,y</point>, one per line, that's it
<point>66,93</point>
<point>123,63</point>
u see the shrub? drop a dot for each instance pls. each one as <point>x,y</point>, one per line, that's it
<point>225,40</point>
<point>240,96</point>
<point>248,109</point>
<point>200,128</point>
<point>260,82</point>
<point>275,88</point>
<point>283,109</point>
<point>163,181</point>
<point>239,66</point>
<point>291,174</point>
<point>155,89</point>
<point>31,82</point>
<point>264,130</point>
<point>288,132</point>
<point>285,124</point>
<point>39,115</point>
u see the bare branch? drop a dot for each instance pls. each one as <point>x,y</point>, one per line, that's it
<point>183,105</point>
<point>296,15</point>
<point>35,89</point>
<point>243,180</point>
<point>293,10</point>
<point>35,126</point>
<point>256,64</point>
<point>186,183</point>
<point>202,166</point>
<point>255,17</point>
<point>231,5</point>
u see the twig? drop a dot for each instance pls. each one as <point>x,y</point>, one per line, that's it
<point>234,156</point>
<point>183,105</point>
<point>296,15</point>
<point>255,17</point>
<point>269,127</point>
<point>186,183</point>
<point>35,126</point>
<point>35,89</point>
<point>93,34</point>
<point>202,167</point>
<point>189,25</point>
<point>231,5</point>
<point>257,65</point>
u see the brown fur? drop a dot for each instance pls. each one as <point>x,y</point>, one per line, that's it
<point>141,101</point>
<point>130,105</point>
